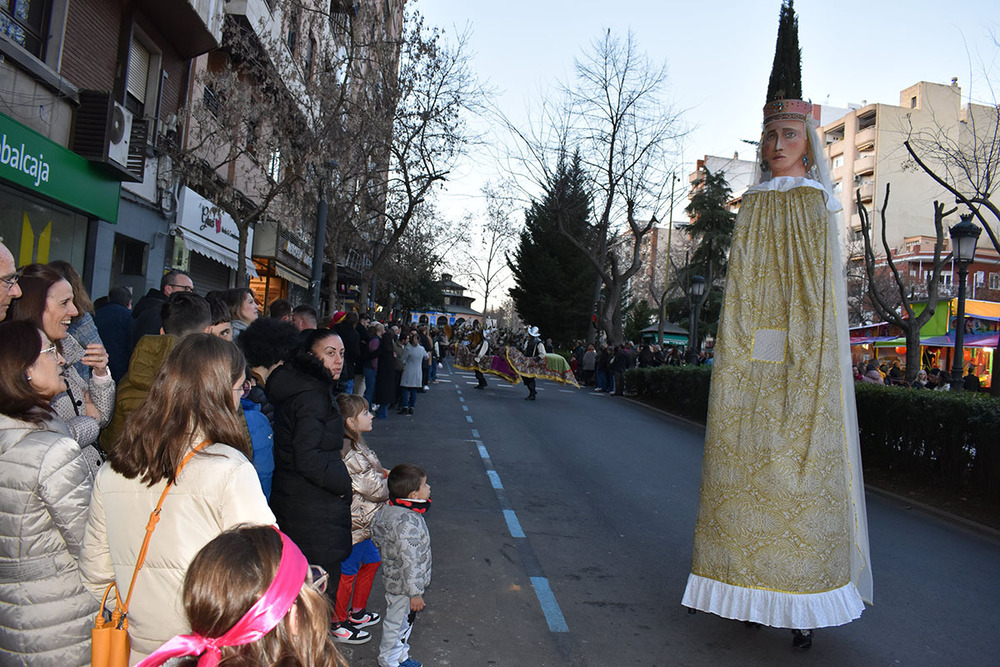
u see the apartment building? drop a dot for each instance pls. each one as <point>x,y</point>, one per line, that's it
<point>87,92</point>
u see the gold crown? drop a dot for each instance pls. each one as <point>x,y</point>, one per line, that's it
<point>787,110</point>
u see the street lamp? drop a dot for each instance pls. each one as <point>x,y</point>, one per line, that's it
<point>698,297</point>
<point>964,237</point>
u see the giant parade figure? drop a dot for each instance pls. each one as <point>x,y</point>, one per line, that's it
<point>781,537</point>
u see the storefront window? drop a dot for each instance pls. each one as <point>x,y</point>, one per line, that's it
<point>36,231</point>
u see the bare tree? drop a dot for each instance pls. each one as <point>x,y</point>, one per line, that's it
<point>965,161</point>
<point>485,261</point>
<point>904,317</point>
<point>242,137</point>
<point>615,116</point>
<point>406,133</point>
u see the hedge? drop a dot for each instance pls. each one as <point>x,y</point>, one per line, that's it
<point>941,439</point>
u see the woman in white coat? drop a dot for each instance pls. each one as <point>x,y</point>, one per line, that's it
<point>414,355</point>
<point>193,403</point>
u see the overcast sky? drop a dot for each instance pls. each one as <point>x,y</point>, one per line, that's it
<point>718,56</point>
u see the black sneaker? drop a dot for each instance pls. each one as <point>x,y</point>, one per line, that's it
<point>362,619</point>
<point>346,633</point>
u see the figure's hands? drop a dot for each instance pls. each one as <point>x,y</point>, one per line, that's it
<point>417,604</point>
<point>97,358</point>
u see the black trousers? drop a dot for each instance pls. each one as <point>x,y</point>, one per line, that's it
<point>530,384</point>
<point>481,378</point>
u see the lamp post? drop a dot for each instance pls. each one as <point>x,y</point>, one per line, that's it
<point>698,298</point>
<point>964,237</point>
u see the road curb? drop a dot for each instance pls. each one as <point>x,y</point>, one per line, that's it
<point>974,526</point>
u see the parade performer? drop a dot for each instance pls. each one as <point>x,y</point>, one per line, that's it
<point>781,537</point>
<point>473,354</point>
<point>534,363</point>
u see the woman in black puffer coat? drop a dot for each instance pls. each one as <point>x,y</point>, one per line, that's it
<point>311,493</point>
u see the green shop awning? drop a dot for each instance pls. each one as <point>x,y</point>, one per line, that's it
<point>40,165</point>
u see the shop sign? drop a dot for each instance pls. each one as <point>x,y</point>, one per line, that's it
<point>296,251</point>
<point>40,165</point>
<point>208,226</point>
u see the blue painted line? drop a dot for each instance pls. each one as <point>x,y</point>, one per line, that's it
<point>465,408</point>
<point>483,453</point>
<point>513,525</point>
<point>468,418</point>
<point>494,479</point>
<point>459,391</point>
<point>553,614</point>
<point>475,433</point>
<point>461,399</point>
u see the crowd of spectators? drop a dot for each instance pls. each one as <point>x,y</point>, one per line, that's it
<point>138,441</point>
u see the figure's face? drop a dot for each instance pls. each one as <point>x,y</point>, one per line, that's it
<point>47,372</point>
<point>249,310</point>
<point>8,272</point>
<point>784,147</point>
<point>59,310</point>
<point>330,351</point>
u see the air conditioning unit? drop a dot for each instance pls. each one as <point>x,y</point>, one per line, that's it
<point>119,135</point>
<point>107,133</point>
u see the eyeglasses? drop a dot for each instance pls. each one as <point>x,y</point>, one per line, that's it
<point>11,280</point>
<point>51,349</point>
<point>183,288</point>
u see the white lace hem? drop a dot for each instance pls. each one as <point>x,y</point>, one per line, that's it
<point>774,608</point>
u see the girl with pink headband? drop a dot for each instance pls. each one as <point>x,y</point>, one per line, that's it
<point>249,599</point>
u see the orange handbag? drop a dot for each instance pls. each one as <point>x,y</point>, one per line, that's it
<point>109,642</point>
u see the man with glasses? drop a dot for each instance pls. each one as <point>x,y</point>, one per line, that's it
<point>9,289</point>
<point>147,311</point>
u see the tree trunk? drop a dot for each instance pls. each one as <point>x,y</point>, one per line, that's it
<point>241,259</point>
<point>912,353</point>
<point>592,330</point>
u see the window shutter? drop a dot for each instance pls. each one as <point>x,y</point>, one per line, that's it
<point>138,71</point>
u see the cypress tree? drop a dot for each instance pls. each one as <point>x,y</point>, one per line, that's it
<point>554,282</point>
<point>786,71</point>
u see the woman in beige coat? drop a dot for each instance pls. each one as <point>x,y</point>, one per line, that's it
<point>45,612</point>
<point>194,398</point>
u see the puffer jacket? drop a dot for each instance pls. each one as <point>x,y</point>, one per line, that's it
<point>369,486</point>
<point>45,611</point>
<point>217,490</point>
<point>405,545</point>
<point>148,358</point>
<point>311,489</point>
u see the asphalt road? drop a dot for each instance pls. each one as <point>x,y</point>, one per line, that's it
<point>561,532</point>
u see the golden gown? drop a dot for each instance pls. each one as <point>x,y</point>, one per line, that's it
<point>781,534</point>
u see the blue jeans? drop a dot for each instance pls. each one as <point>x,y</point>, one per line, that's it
<point>409,397</point>
<point>602,380</point>
<point>434,370</point>
<point>349,386</point>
